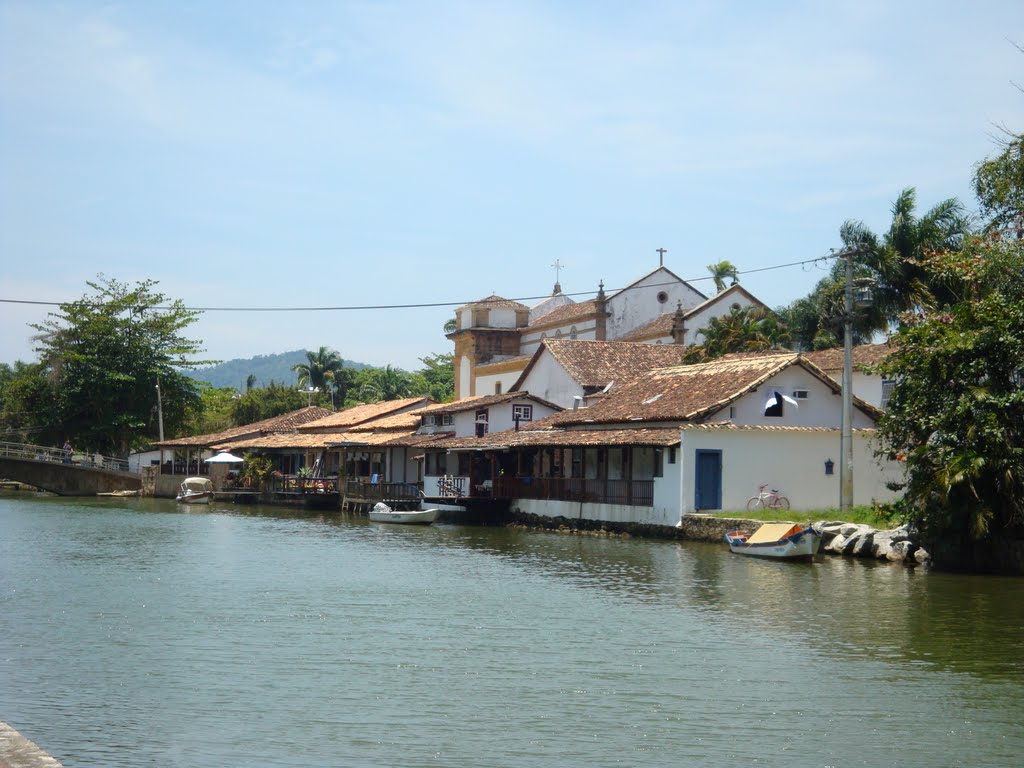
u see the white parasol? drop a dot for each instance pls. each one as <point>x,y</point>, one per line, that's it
<point>224,458</point>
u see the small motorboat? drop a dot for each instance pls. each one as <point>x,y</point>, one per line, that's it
<point>382,513</point>
<point>787,541</point>
<point>195,490</point>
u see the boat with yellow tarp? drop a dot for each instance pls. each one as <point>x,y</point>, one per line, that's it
<point>779,540</point>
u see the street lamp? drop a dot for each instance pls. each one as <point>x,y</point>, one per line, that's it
<point>310,391</point>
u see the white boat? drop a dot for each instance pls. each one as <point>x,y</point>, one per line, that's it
<point>382,513</point>
<point>778,540</point>
<point>195,490</point>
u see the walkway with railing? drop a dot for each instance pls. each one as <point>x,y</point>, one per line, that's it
<point>60,456</point>
<point>639,493</point>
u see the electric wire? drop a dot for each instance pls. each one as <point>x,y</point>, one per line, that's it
<point>420,305</point>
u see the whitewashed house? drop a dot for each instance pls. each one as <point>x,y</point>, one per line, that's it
<point>685,439</point>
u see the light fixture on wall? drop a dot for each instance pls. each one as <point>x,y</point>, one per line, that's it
<point>829,466</point>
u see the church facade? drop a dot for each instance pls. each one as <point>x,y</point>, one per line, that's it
<point>495,338</point>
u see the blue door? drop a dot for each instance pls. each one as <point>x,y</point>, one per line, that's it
<point>708,480</point>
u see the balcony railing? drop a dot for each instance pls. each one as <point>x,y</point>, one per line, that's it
<point>360,489</point>
<point>636,493</point>
<point>298,484</point>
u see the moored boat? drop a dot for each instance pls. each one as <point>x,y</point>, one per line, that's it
<point>787,541</point>
<point>382,513</point>
<point>195,490</point>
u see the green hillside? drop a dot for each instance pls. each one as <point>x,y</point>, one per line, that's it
<point>277,367</point>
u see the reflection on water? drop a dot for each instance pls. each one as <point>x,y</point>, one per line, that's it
<point>136,632</point>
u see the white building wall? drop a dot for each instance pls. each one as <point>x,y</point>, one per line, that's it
<point>586,330</point>
<point>549,381</point>
<point>638,304</point>
<point>610,513</point>
<point>700,320</point>
<point>502,318</point>
<point>465,378</point>
<point>791,462</point>
<point>822,408</point>
<point>549,304</point>
<point>485,382</point>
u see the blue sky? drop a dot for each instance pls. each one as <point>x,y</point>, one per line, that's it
<point>332,154</point>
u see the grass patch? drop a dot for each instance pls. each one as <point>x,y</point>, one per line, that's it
<point>876,517</point>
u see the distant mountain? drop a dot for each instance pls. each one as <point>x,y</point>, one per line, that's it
<point>267,368</point>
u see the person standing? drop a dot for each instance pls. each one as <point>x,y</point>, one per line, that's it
<point>68,450</point>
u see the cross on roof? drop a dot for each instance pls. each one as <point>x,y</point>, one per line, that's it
<point>559,266</point>
<point>661,256</point>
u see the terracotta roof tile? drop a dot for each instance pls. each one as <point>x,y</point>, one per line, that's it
<point>863,355</point>
<point>683,392</point>
<point>564,314</point>
<point>284,423</point>
<point>596,363</point>
<point>566,438</point>
<point>363,413</point>
<point>494,301</point>
<point>659,326</point>
<point>482,401</point>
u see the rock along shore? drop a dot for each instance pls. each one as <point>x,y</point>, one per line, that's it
<point>897,545</point>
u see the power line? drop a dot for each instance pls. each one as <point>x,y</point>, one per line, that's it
<point>423,305</point>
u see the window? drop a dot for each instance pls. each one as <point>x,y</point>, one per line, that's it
<point>447,419</point>
<point>662,297</point>
<point>659,458</point>
<point>887,387</point>
<point>672,455</point>
<point>481,422</point>
<point>572,333</point>
<point>800,394</point>
<point>773,404</point>
<point>428,421</point>
<point>522,413</point>
<point>558,333</point>
<point>732,412</point>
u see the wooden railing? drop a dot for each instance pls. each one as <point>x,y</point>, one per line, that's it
<point>636,493</point>
<point>299,484</point>
<point>360,489</point>
<point>58,455</point>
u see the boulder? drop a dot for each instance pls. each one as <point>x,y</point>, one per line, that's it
<point>835,545</point>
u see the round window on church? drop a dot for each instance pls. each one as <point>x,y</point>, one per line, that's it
<point>662,297</point>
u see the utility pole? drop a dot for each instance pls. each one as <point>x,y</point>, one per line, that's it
<point>846,439</point>
<point>159,413</point>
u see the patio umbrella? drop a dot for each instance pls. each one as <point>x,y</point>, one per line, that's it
<point>224,458</point>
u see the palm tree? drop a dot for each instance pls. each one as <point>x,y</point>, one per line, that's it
<point>746,329</point>
<point>321,370</point>
<point>250,382</point>
<point>901,283</point>
<point>722,270</point>
<point>385,384</point>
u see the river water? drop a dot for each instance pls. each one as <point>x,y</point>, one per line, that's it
<point>135,633</point>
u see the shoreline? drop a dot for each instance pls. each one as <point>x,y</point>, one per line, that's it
<point>18,752</point>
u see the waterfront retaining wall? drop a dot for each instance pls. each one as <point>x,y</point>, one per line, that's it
<point>18,752</point>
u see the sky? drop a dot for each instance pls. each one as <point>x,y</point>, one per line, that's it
<point>339,154</point>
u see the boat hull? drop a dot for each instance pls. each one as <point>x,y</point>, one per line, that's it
<point>411,517</point>
<point>803,545</point>
<point>195,498</point>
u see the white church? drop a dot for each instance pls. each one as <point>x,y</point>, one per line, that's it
<point>496,338</point>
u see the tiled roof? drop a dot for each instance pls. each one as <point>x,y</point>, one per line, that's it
<point>299,440</point>
<point>565,438</point>
<point>399,421</point>
<point>596,363</point>
<point>494,302</point>
<point>508,362</point>
<point>863,355</point>
<point>659,326</point>
<point>284,423</point>
<point>482,401</point>
<point>684,392</point>
<point>362,413</point>
<point>564,314</point>
<point>419,441</point>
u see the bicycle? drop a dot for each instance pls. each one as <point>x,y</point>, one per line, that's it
<point>767,500</point>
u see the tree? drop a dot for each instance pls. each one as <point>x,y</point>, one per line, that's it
<point>999,185</point>
<point>319,371</point>
<point>105,354</point>
<point>438,373</point>
<point>720,271</point>
<point>377,384</point>
<point>267,402</point>
<point>956,415</point>
<point>250,381</point>
<point>26,405</point>
<point>746,329</point>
